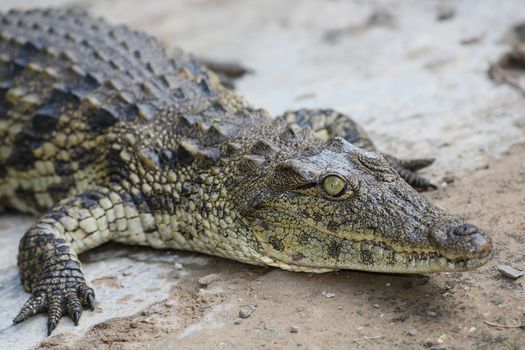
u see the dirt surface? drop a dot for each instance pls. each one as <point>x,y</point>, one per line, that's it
<point>415,74</point>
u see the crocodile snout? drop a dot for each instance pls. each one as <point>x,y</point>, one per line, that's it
<point>477,239</point>
<point>463,241</point>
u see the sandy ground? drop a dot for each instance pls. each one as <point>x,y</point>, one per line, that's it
<point>420,86</point>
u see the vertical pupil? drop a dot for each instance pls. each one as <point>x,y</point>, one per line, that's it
<point>333,185</point>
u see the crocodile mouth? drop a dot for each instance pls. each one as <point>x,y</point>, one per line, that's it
<point>381,257</point>
<point>408,261</point>
<point>461,247</point>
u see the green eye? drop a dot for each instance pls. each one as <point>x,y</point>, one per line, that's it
<point>334,185</point>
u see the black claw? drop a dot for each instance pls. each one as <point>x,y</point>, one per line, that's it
<point>18,318</point>
<point>75,317</point>
<point>91,301</point>
<point>50,328</point>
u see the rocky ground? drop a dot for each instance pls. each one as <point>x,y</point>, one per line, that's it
<point>415,74</point>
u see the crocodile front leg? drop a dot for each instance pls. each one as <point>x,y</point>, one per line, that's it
<point>327,123</point>
<point>47,259</point>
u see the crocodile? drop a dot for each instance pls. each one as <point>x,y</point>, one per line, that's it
<point>106,134</point>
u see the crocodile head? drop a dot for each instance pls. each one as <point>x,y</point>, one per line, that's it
<point>340,207</point>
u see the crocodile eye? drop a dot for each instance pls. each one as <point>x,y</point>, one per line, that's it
<point>334,185</point>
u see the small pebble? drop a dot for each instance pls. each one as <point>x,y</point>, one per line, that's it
<point>246,311</point>
<point>328,294</point>
<point>412,332</point>
<point>376,306</point>
<point>178,266</point>
<point>127,272</point>
<point>442,338</point>
<point>294,329</point>
<point>431,313</point>
<point>237,321</point>
<point>208,279</point>
<point>510,272</point>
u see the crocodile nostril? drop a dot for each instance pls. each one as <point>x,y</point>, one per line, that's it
<point>482,244</point>
<point>466,230</point>
<point>474,237</point>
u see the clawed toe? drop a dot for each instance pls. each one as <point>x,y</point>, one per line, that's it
<point>414,180</point>
<point>87,296</point>
<point>416,164</point>
<point>32,306</point>
<point>58,302</point>
<point>406,168</point>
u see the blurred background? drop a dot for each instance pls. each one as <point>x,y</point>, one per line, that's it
<point>411,68</point>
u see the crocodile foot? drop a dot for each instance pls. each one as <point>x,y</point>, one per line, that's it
<point>58,296</point>
<point>407,169</point>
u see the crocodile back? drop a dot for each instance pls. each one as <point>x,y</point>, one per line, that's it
<point>67,79</point>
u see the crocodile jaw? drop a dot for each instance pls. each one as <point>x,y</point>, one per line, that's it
<point>368,255</point>
<point>389,261</point>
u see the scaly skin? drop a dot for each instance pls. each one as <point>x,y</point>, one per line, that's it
<point>105,135</point>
